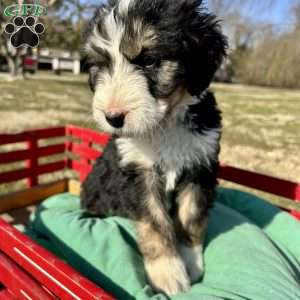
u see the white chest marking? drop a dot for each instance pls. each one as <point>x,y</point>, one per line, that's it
<point>173,150</point>
<point>171,177</point>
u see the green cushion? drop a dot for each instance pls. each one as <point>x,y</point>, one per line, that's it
<point>252,249</point>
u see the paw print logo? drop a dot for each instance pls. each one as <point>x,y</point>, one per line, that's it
<point>24,31</point>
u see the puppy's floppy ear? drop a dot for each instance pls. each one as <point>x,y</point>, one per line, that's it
<point>204,47</point>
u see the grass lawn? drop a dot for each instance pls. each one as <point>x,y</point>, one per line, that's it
<point>261,129</point>
<point>261,125</point>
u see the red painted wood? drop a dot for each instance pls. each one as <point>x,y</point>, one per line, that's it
<point>53,273</point>
<point>32,134</point>
<point>85,151</point>
<point>82,169</point>
<point>296,214</point>
<point>279,187</point>
<point>51,150</point>
<point>68,148</point>
<point>31,154</point>
<point>12,176</point>
<point>13,156</point>
<point>5,294</point>
<point>51,167</point>
<point>20,155</point>
<point>19,282</point>
<point>86,144</point>
<point>88,135</point>
<point>32,163</point>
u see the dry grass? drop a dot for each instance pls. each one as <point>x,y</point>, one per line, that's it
<point>44,101</point>
<point>261,129</point>
<point>261,125</point>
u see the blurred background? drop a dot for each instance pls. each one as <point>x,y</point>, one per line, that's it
<point>258,86</point>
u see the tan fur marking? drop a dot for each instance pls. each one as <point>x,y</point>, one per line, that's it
<point>168,274</point>
<point>176,99</point>
<point>156,231</point>
<point>156,207</point>
<point>191,224</point>
<point>153,243</point>
<point>167,71</point>
<point>190,228</point>
<point>164,266</point>
<point>144,37</point>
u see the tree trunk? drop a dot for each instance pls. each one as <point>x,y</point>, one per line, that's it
<point>15,66</point>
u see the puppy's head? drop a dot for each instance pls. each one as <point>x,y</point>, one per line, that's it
<point>146,56</point>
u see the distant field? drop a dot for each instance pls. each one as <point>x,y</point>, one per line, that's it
<point>261,129</point>
<point>261,125</point>
<point>45,101</point>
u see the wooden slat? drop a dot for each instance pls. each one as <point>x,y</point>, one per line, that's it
<point>32,163</point>
<point>19,282</point>
<point>83,170</point>
<point>88,135</point>
<point>14,156</point>
<point>275,186</point>
<point>296,214</point>
<point>20,174</point>
<point>53,273</point>
<point>32,196</point>
<point>19,155</point>
<point>84,152</point>
<point>5,294</point>
<point>32,134</point>
<point>51,150</point>
<point>12,176</point>
<point>51,167</point>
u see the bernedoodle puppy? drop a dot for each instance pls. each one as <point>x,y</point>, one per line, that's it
<point>151,64</point>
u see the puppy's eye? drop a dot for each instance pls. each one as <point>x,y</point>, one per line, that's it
<point>149,61</point>
<point>146,61</point>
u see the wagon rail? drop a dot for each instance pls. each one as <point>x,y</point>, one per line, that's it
<point>27,270</point>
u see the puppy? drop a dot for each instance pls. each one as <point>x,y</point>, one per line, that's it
<point>151,64</point>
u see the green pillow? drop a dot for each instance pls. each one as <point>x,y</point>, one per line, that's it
<point>252,249</point>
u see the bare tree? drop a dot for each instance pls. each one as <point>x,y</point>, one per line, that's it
<point>296,12</point>
<point>65,23</point>
<point>12,55</point>
<point>239,19</point>
<point>76,9</point>
<point>225,8</point>
<point>243,28</point>
<point>275,60</point>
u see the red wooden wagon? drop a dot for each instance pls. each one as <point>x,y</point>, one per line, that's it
<point>27,270</point>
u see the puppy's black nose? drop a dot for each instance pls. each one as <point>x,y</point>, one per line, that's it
<point>115,119</point>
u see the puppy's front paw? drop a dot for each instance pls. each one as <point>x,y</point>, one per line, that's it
<point>168,275</point>
<point>193,259</point>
